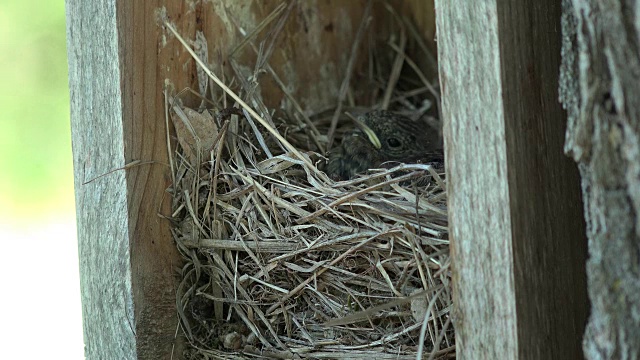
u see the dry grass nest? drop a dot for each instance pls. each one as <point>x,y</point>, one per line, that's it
<point>282,262</point>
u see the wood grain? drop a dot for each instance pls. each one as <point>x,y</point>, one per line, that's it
<point>126,252</point>
<point>518,236</point>
<point>549,228</point>
<point>98,147</point>
<point>477,184</point>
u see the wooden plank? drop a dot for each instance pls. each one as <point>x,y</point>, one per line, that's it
<point>102,218</point>
<point>550,247</point>
<point>477,185</point>
<point>518,236</point>
<point>126,252</point>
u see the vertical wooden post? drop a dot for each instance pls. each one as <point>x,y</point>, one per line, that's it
<point>127,257</point>
<point>518,235</point>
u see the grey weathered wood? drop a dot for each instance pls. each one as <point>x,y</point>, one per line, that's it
<point>518,237</point>
<point>98,146</point>
<point>600,88</point>
<point>127,258</point>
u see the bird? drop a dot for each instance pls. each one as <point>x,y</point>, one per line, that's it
<point>381,137</point>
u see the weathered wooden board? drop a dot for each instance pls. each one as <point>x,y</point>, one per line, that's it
<point>126,255</point>
<point>518,235</point>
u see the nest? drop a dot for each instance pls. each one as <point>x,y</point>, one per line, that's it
<point>280,261</point>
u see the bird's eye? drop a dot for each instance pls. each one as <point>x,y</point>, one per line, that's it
<point>393,143</point>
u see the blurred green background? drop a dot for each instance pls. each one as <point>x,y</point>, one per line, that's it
<point>35,145</point>
<point>40,305</point>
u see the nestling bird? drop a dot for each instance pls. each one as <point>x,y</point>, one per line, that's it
<point>383,136</point>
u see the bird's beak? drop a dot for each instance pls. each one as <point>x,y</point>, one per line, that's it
<point>367,131</point>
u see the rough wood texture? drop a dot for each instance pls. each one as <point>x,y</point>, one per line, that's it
<point>518,243</point>
<point>125,249</point>
<point>600,87</point>
<point>119,58</point>
<point>477,184</point>
<point>310,54</point>
<point>103,231</point>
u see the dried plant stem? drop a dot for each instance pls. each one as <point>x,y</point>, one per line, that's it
<point>350,64</point>
<point>235,97</point>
